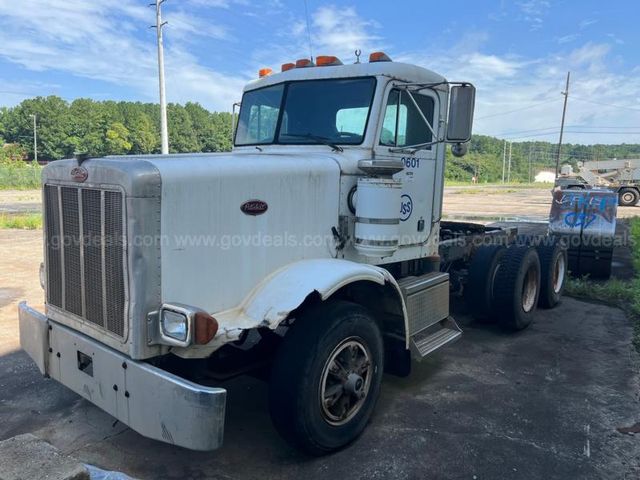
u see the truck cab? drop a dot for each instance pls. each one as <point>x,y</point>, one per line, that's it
<point>311,253</point>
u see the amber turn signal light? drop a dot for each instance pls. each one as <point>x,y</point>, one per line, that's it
<point>379,57</point>
<point>304,62</point>
<point>263,72</point>
<point>206,328</point>
<point>327,60</point>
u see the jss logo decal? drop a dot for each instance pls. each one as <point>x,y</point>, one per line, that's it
<point>406,207</point>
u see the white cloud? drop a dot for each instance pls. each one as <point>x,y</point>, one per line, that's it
<point>534,12</point>
<point>568,38</point>
<point>184,26</point>
<point>334,30</point>
<point>102,40</point>
<point>587,23</point>
<point>615,38</point>
<point>96,40</point>
<point>340,31</point>
<point>518,94</point>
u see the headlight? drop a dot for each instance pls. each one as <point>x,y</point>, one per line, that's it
<point>175,326</point>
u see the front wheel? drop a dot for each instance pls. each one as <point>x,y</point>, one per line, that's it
<point>628,197</point>
<point>326,377</point>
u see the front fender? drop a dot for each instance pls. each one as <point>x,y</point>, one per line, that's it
<point>271,301</point>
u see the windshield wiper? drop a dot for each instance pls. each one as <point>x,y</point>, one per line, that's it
<point>317,138</point>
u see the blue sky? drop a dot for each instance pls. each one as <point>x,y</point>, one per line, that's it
<point>517,52</point>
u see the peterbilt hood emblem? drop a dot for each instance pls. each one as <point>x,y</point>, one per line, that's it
<point>254,207</point>
<point>79,174</point>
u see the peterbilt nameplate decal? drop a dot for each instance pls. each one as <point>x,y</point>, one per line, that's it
<point>254,207</point>
<point>79,174</point>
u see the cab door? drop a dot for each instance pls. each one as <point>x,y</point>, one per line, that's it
<point>402,125</point>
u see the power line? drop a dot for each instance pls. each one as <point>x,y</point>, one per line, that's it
<point>605,104</point>
<point>578,132</point>
<point>517,109</point>
<point>555,130</point>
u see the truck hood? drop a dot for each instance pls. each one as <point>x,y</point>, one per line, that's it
<point>230,220</point>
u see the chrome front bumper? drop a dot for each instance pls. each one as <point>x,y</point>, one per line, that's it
<point>154,403</point>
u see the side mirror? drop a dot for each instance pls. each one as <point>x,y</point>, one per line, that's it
<point>461,104</point>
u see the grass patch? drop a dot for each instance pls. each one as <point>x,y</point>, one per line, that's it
<point>624,294</point>
<point>29,221</point>
<point>19,176</point>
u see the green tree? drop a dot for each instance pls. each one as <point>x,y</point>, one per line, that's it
<point>53,120</point>
<point>117,139</point>
<point>182,136</point>
<point>144,138</point>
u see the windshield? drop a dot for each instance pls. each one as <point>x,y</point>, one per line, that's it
<point>313,112</point>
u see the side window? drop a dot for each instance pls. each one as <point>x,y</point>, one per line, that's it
<point>351,121</point>
<point>403,125</point>
<point>259,116</point>
<point>262,122</point>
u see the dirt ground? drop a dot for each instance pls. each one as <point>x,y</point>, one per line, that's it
<point>508,203</point>
<point>543,403</point>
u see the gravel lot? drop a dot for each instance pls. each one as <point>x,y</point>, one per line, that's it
<point>543,403</point>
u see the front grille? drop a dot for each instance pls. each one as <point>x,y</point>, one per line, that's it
<point>84,240</point>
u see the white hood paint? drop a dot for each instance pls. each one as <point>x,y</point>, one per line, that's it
<point>212,253</point>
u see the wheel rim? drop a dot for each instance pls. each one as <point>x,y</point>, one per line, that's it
<point>628,197</point>
<point>559,271</point>
<point>345,381</point>
<point>529,290</point>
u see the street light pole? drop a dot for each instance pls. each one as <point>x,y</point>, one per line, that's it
<point>35,138</point>
<point>164,134</point>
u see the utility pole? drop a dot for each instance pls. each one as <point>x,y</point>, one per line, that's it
<point>164,134</point>
<point>564,111</point>
<point>504,158</point>
<point>35,138</point>
<point>509,174</point>
<point>530,166</point>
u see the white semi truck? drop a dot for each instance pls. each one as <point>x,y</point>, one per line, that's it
<point>313,254</point>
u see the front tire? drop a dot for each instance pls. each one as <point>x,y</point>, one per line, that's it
<point>326,377</point>
<point>628,197</point>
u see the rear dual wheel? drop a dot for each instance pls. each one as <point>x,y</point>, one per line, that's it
<point>504,284</point>
<point>553,264</point>
<point>517,287</point>
<point>478,292</point>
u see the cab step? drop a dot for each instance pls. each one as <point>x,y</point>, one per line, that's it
<point>434,337</point>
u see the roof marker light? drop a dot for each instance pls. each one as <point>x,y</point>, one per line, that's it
<point>304,62</point>
<point>379,57</point>
<point>263,72</point>
<point>327,60</point>
<point>287,66</point>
